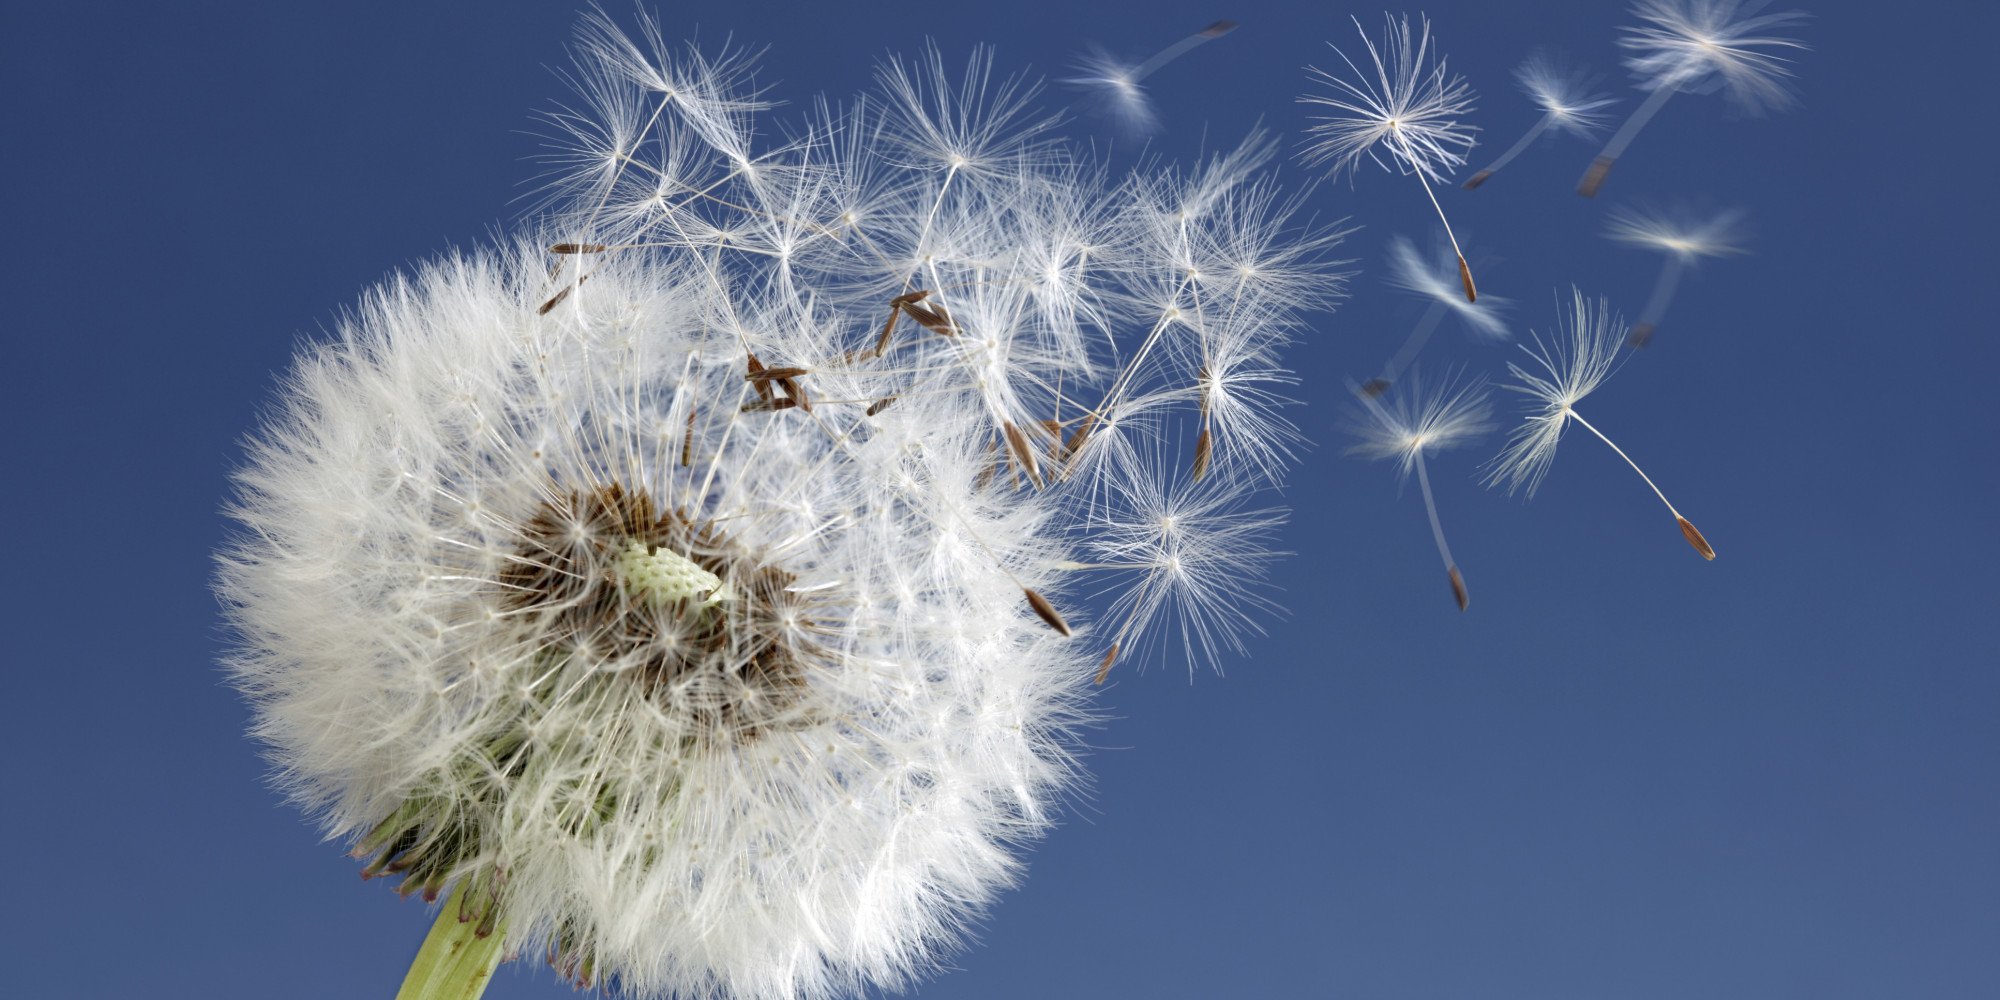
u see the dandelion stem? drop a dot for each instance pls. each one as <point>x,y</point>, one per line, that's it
<point>1688,529</point>
<point>460,952</point>
<point>1656,306</point>
<point>1180,48</point>
<point>1414,343</point>
<point>1464,272</point>
<point>1512,151</point>
<point>1430,507</point>
<point>1594,177</point>
<point>1578,417</point>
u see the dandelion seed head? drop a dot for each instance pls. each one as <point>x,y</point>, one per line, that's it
<point>1569,365</point>
<point>1417,418</point>
<point>1435,277</point>
<point>595,572</point>
<point>1708,45</point>
<point>1110,86</point>
<point>1404,104</point>
<point>1567,95</point>
<point>1683,233</point>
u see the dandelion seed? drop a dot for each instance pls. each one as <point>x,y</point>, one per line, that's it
<point>1410,111</point>
<point>1046,612</point>
<point>1699,47</point>
<point>1104,665</point>
<point>1411,272</point>
<point>1574,362</point>
<point>1568,103</point>
<point>1112,86</point>
<point>1416,421</point>
<point>1683,237</point>
<point>561,294</point>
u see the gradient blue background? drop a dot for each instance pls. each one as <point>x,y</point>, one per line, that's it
<point>1624,773</point>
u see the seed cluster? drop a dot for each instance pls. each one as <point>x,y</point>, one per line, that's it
<point>728,667</point>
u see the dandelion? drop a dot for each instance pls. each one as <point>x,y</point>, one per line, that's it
<point>1568,101</point>
<point>1413,422</point>
<point>1410,271</point>
<point>1576,360</point>
<point>689,591</point>
<point>1410,110</point>
<point>1699,47</point>
<point>1683,238</point>
<point>1113,85</point>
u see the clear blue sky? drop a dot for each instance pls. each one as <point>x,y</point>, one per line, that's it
<point>1624,773</point>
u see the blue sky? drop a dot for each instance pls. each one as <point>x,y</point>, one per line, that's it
<point>1623,773</point>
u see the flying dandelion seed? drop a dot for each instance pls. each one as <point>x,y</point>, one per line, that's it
<point>629,619</point>
<point>1568,100</point>
<point>1418,420</point>
<point>1683,238</point>
<point>1699,47</point>
<point>1112,85</point>
<point>1410,110</point>
<point>1411,272</point>
<point>1577,359</point>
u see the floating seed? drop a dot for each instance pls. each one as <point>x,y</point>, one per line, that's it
<point>1693,535</point>
<point>1594,177</point>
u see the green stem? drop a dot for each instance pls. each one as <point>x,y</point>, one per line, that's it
<point>460,952</point>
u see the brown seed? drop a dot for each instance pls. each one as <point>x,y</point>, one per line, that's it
<point>985,477</point>
<point>933,318</point>
<point>1046,611</point>
<point>1023,455</point>
<point>769,405</point>
<point>1104,666</point>
<point>769,374</point>
<point>1374,387</point>
<point>1081,435</point>
<point>1465,277</point>
<point>762,385</point>
<point>794,392</point>
<point>1641,335</point>
<point>882,342</point>
<point>578,248</point>
<point>1201,455</point>
<point>1218,29</point>
<point>1473,182</point>
<point>895,310</point>
<point>1458,589</point>
<point>559,296</point>
<point>880,405</point>
<point>687,441</point>
<point>1594,177</point>
<point>1694,538</point>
